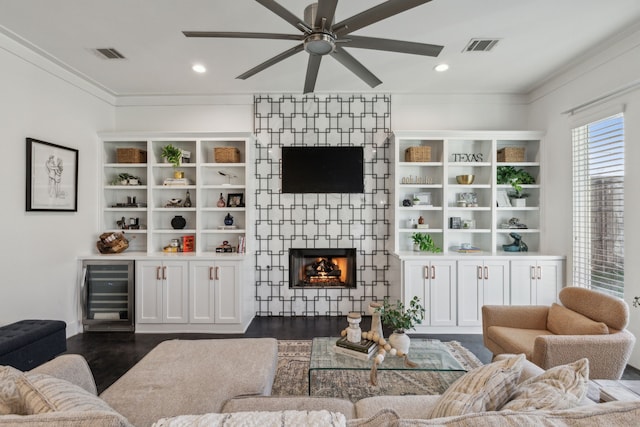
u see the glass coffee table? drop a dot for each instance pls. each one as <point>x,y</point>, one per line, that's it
<point>428,354</point>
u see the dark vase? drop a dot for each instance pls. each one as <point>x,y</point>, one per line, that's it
<point>178,222</point>
<point>228,220</point>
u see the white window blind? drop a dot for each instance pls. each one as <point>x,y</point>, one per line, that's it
<point>598,205</point>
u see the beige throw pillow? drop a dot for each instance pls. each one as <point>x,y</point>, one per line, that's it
<point>43,393</point>
<point>560,387</point>
<point>485,388</point>
<point>562,321</point>
<point>10,400</point>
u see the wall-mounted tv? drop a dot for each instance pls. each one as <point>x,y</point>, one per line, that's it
<point>322,170</point>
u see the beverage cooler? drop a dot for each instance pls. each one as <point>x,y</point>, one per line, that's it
<point>107,295</point>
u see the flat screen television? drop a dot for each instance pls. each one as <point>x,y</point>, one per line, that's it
<point>322,170</point>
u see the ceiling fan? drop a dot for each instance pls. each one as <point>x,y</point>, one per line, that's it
<point>320,37</point>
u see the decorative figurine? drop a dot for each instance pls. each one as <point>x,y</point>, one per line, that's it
<point>354,333</point>
<point>221,202</point>
<point>517,246</point>
<point>187,200</point>
<point>228,220</point>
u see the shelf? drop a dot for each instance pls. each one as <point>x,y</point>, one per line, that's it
<point>205,182</point>
<point>455,152</point>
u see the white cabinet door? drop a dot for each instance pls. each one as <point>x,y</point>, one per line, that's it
<point>548,281</point>
<point>434,282</point>
<point>480,282</point>
<point>495,282</point>
<point>469,292</point>
<point>227,292</point>
<point>162,292</point>
<point>215,291</point>
<point>202,286</point>
<point>535,282</point>
<point>442,293</point>
<point>148,292</point>
<point>176,291</point>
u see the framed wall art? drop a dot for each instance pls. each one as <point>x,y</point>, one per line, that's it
<point>52,177</point>
<point>235,200</point>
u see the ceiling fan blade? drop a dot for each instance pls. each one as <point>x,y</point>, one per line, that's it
<point>326,9</point>
<point>375,14</point>
<point>312,73</point>
<point>239,35</point>
<point>269,62</point>
<point>284,14</point>
<point>357,68</point>
<point>392,45</point>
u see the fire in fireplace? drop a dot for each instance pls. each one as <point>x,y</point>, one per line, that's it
<point>322,268</point>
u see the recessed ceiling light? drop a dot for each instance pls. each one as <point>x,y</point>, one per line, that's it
<point>199,68</point>
<point>441,67</point>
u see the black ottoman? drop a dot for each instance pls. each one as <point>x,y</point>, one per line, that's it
<point>29,343</point>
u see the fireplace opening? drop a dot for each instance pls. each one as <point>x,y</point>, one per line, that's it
<point>322,268</point>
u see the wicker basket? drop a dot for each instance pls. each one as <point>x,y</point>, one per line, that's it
<point>417,154</point>
<point>131,155</point>
<point>112,243</point>
<point>511,154</point>
<point>226,155</point>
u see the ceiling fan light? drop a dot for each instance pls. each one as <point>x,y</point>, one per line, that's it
<point>441,67</point>
<point>319,44</point>
<point>199,68</point>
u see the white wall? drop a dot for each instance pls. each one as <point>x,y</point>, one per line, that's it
<point>616,67</point>
<point>39,249</point>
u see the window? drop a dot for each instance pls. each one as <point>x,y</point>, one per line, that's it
<point>598,205</point>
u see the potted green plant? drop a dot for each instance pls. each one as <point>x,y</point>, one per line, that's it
<point>425,243</point>
<point>125,178</point>
<point>401,318</point>
<point>173,155</point>
<point>516,178</point>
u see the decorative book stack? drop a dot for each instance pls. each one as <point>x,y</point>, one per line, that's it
<point>362,350</point>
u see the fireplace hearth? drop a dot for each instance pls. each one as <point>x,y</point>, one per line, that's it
<point>314,268</point>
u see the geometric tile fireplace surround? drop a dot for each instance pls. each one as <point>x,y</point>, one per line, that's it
<point>285,221</point>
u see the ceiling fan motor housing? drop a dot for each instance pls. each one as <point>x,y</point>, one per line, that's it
<point>320,41</point>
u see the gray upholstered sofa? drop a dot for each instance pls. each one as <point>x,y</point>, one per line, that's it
<point>228,381</point>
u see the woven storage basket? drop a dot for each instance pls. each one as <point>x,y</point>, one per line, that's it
<point>131,155</point>
<point>511,154</point>
<point>112,243</point>
<point>417,154</point>
<point>226,155</point>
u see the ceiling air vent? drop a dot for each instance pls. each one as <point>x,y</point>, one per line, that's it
<point>480,45</point>
<point>109,53</point>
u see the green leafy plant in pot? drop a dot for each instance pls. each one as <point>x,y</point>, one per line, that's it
<point>173,156</point>
<point>516,178</point>
<point>425,243</point>
<point>401,318</point>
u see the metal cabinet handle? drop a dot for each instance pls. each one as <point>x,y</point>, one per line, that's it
<point>164,273</point>
<point>210,273</point>
<point>433,272</point>
<point>158,273</point>
<point>539,273</point>
<point>217,278</point>
<point>533,272</point>
<point>480,272</point>
<point>426,272</point>
<point>486,272</point>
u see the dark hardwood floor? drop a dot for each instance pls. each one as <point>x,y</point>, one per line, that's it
<point>111,354</point>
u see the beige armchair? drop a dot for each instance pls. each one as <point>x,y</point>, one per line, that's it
<point>588,324</point>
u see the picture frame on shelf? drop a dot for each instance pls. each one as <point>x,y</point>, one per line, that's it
<point>422,199</point>
<point>502,199</point>
<point>51,177</point>
<point>235,200</point>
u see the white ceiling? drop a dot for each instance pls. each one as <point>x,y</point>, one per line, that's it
<point>537,38</point>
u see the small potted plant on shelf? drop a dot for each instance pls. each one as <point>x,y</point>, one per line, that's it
<point>173,155</point>
<point>126,179</point>
<point>400,318</point>
<point>516,178</point>
<point>423,242</point>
